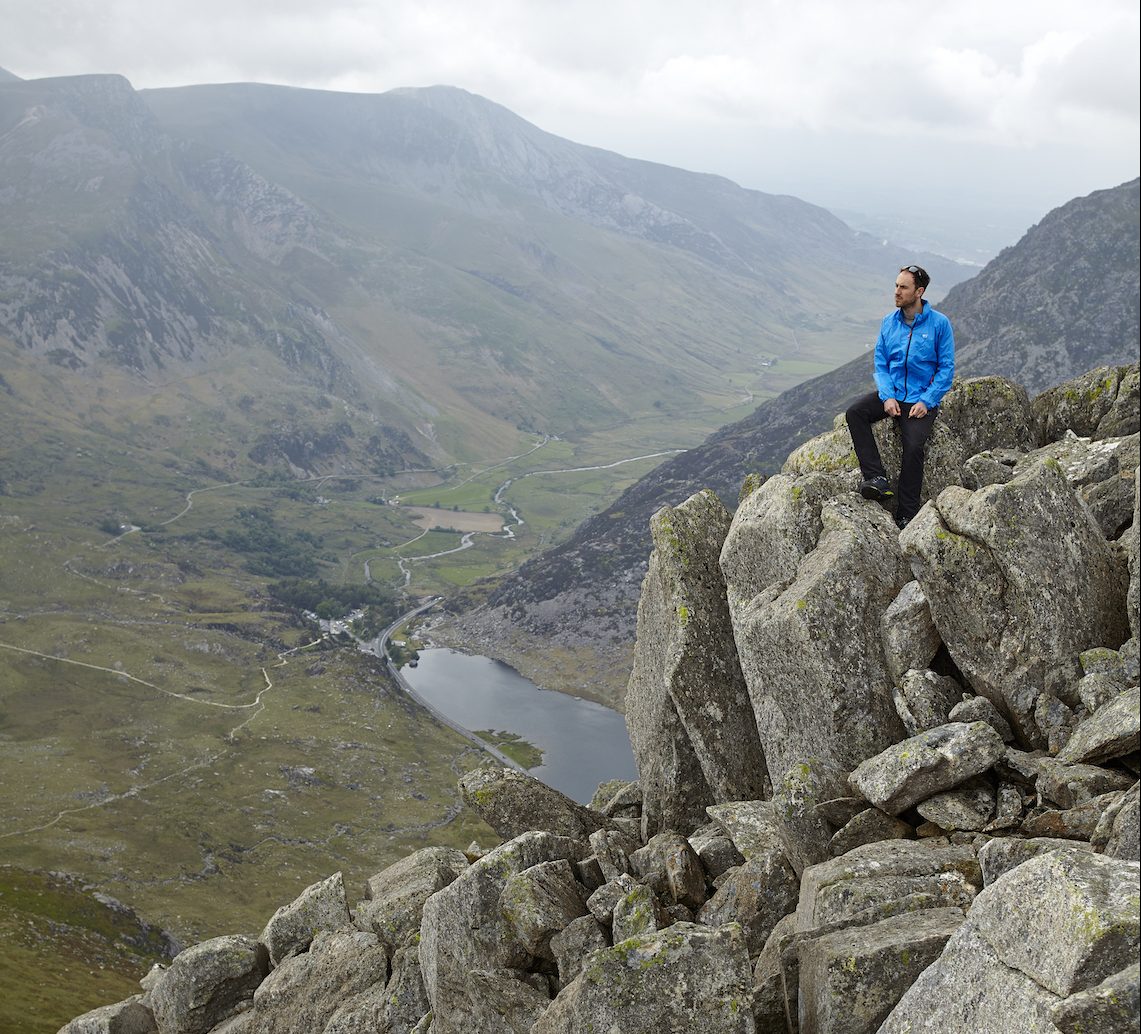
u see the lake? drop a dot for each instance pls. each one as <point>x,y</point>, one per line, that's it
<point>583,743</point>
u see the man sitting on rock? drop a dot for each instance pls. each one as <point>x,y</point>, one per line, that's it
<point>914,365</point>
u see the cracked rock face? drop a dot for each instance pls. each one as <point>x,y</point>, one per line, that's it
<point>688,712</point>
<point>1020,581</point>
<point>811,649</point>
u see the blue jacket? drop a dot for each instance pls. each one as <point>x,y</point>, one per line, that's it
<point>916,363</point>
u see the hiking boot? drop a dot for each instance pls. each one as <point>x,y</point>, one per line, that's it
<point>876,489</point>
<point>902,522</point>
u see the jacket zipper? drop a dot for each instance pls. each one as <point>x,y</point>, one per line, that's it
<point>906,353</point>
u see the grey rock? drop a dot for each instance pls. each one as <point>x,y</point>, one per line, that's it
<point>321,906</point>
<point>1077,823</point>
<point>602,902</point>
<point>1070,785</point>
<point>308,989</point>
<point>126,1017</point>
<point>1020,581</point>
<point>539,902</point>
<point>397,894</point>
<point>685,978</point>
<point>869,826</point>
<point>924,700</point>
<point>405,999</point>
<point>685,875</point>
<point>1117,833</point>
<point>1112,1007</point>
<point>924,765</point>
<point>850,980</point>
<point>463,928</point>
<point>612,848</point>
<point>1055,721</point>
<point>773,531</point>
<point>1099,688</point>
<point>1067,919</point>
<point>749,824</point>
<point>1133,545</point>
<point>1009,808</point>
<point>992,467</point>
<point>969,989</point>
<point>757,894</point>
<point>970,806</point>
<point>1002,854</point>
<point>616,796</point>
<point>880,873</point>
<point>769,1013</point>
<point>910,638</point>
<point>989,413</point>
<point>1100,403</point>
<point>572,945</point>
<point>207,983</point>
<point>503,1004</point>
<point>637,913</point>
<point>590,873</point>
<point>513,803</point>
<point>979,709</point>
<point>717,852</point>
<point>1110,500</point>
<point>688,713</point>
<point>803,831</point>
<point>1111,732</point>
<point>820,634</point>
<point>841,810</point>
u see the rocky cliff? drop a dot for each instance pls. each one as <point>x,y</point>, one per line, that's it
<point>887,782</point>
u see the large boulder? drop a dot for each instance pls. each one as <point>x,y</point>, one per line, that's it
<point>688,712</point>
<point>320,907</point>
<point>773,530</point>
<point>811,649</point>
<point>513,803</point>
<point>464,929</point>
<point>396,895</point>
<point>684,978</point>
<point>307,990</point>
<point>1101,403</point>
<point>1055,926</point>
<point>207,984</point>
<point>924,765</point>
<point>1020,581</point>
<point>850,980</point>
<point>876,874</point>
<point>127,1017</point>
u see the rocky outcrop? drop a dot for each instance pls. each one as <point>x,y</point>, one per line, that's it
<point>947,840</point>
<point>688,712</point>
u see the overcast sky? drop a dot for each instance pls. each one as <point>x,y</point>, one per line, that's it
<point>922,113</point>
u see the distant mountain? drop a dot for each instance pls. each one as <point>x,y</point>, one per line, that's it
<point>416,276</point>
<point>1062,300</point>
<point>8,77</point>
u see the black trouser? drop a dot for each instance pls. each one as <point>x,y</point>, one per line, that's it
<point>914,431</point>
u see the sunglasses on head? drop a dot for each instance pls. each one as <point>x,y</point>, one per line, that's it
<point>920,274</point>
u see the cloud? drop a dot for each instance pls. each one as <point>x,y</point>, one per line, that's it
<point>873,87</point>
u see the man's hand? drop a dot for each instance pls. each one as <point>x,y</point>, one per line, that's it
<point>919,410</point>
<point>891,407</point>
